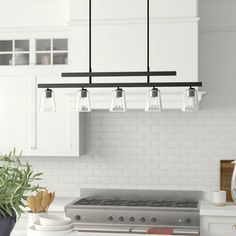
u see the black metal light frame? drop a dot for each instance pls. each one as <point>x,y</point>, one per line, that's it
<point>123,85</point>
<point>147,73</point>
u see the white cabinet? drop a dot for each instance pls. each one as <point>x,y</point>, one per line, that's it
<point>54,133</point>
<point>34,51</point>
<point>218,226</point>
<point>29,57</point>
<point>14,52</point>
<point>36,133</point>
<point>52,51</point>
<point>15,118</point>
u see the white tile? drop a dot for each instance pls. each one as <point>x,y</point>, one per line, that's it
<point>171,150</point>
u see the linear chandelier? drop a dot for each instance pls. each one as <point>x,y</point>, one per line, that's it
<point>118,104</point>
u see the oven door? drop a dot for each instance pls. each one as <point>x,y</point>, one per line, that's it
<point>134,231</point>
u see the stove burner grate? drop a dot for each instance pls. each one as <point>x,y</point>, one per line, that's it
<point>136,203</point>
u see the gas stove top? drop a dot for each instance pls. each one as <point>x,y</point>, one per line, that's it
<point>126,209</point>
<point>135,203</point>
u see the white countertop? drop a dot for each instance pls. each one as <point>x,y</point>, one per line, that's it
<point>208,209</point>
<point>58,205</point>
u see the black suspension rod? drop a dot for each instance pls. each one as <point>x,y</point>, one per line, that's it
<point>127,85</point>
<point>90,40</point>
<point>148,41</point>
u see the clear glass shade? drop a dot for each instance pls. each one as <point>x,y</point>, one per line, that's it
<point>153,101</point>
<point>83,101</point>
<point>118,102</point>
<point>47,103</point>
<point>190,100</point>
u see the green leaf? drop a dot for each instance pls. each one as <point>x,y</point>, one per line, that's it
<point>17,180</point>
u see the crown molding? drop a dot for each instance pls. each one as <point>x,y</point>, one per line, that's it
<point>216,1</point>
<point>25,29</point>
<point>217,29</point>
<point>161,20</point>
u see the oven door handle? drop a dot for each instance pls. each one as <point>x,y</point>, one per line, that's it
<point>176,231</point>
<point>137,230</point>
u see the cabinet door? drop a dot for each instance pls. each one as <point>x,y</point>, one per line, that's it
<point>15,117</point>
<point>51,51</point>
<point>54,133</point>
<point>218,226</point>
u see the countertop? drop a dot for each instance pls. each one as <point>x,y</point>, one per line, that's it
<point>56,207</point>
<point>208,209</point>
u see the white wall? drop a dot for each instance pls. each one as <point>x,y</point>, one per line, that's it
<point>132,9</point>
<point>33,13</point>
<point>218,52</point>
<point>169,150</point>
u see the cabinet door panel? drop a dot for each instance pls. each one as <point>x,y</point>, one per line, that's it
<point>56,133</point>
<point>222,228</point>
<point>218,226</point>
<point>14,119</point>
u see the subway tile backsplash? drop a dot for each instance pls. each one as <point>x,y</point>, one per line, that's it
<point>168,150</point>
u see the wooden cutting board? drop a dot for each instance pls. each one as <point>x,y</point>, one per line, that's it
<point>226,171</point>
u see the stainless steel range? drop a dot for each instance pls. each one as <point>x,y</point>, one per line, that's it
<point>136,211</point>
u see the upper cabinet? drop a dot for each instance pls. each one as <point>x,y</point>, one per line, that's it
<point>34,52</point>
<point>36,133</point>
<point>27,59</point>
<point>14,52</point>
<point>53,133</point>
<point>51,52</point>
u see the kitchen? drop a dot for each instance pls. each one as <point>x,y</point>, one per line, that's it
<point>168,150</point>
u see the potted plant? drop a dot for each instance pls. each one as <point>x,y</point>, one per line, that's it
<point>17,179</point>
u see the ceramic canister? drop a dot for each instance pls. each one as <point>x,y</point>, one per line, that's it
<point>219,198</point>
<point>33,217</point>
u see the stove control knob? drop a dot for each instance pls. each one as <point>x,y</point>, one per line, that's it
<point>131,219</point>
<point>153,219</point>
<point>187,221</point>
<point>110,218</point>
<point>142,219</point>
<point>77,217</point>
<point>121,218</point>
<point>184,221</point>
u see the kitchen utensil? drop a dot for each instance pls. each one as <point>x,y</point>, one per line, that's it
<point>51,220</point>
<point>52,196</point>
<point>31,203</point>
<point>46,199</point>
<point>38,200</point>
<point>38,226</point>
